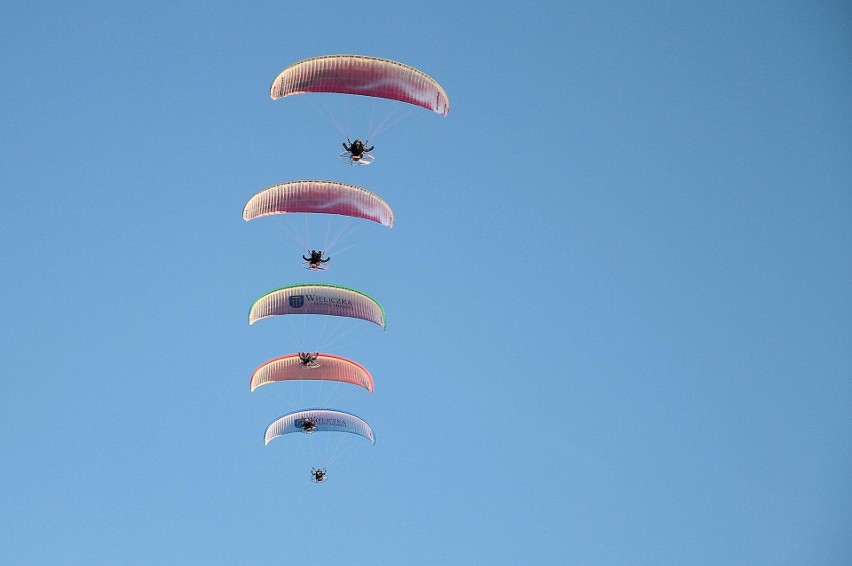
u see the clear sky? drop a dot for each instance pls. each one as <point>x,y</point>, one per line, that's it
<point>618,287</point>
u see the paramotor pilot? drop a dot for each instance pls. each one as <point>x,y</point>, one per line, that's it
<point>357,151</point>
<point>308,359</point>
<point>316,260</point>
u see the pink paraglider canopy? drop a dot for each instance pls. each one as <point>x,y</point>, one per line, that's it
<point>328,368</point>
<point>366,76</point>
<point>320,197</point>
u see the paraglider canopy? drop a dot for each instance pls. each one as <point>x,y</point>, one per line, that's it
<point>319,197</point>
<point>316,298</point>
<point>308,366</point>
<point>362,75</point>
<point>322,420</point>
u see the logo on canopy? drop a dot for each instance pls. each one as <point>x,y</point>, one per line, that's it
<point>296,301</point>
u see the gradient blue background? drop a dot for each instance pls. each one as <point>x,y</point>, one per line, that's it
<point>618,289</point>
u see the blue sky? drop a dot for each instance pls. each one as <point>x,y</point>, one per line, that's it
<point>617,289</point>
